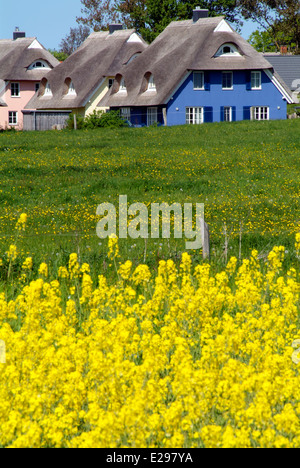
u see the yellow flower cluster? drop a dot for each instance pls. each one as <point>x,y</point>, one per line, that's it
<point>21,223</point>
<point>198,360</point>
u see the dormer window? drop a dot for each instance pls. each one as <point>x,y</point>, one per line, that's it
<point>228,50</point>
<point>148,83</point>
<point>119,85</point>
<point>151,84</point>
<point>122,87</point>
<point>45,89</point>
<point>71,90</point>
<point>39,64</point>
<point>48,91</point>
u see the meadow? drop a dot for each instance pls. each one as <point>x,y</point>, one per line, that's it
<point>118,343</point>
<point>246,174</point>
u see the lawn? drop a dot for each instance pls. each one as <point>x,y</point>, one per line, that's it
<point>247,175</point>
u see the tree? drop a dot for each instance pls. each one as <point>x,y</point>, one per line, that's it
<point>74,39</point>
<point>281,18</point>
<point>61,56</point>
<point>150,17</point>
<point>98,14</point>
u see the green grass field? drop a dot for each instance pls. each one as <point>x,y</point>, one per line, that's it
<point>247,174</point>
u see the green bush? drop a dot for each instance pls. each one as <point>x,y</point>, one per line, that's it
<point>79,119</point>
<point>97,119</point>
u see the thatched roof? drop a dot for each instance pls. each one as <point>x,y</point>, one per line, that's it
<point>100,56</point>
<point>183,46</point>
<point>17,55</point>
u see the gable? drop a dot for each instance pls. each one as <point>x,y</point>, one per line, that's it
<point>35,45</point>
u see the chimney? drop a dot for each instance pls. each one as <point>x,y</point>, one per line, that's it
<point>18,34</point>
<point>115,27</point>
<point>283,50</point>
<point>198,13</point>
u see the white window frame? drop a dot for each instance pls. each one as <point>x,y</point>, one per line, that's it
<point>256,80</point>
<point>227,114</point>
<point>12,118</point>
<point>227,73</point>
<point>122,88</point>
<point>15,89</point>
<point>34,66</point>
<point>48,91</point>
<point>260,113</point>
<point>151,115</point>
<point>233,52</point>
<point>125,113</point>
<point>194,115</point>
<point>151,84</point>
<point>71,90</point>
<point>195,84</point>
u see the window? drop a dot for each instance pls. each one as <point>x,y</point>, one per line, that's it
<point>122,85</point>
<point>13,118</point>
<point>71,89</point>
<point>227,80</point>
<point>198,78</point>
<point>228,50</point>
<point>151,115</point>
<point>37,87</point>
<point>110,82</point>
<point>151,84</point>
<point>48,91</point>
<point>260,113</point>
<point>125,113</point>
<point>194,115</point>
<point>15,89</point>
<point>39,64</point>
<point>227,114</point>
<point>256,80</point>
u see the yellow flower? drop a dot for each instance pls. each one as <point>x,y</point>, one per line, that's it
<point>12,253</point>
<point>43,270</point>
<point>21,223</point>
<point>27,264</point>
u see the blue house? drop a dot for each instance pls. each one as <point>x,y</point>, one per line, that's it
<point>198,71</point>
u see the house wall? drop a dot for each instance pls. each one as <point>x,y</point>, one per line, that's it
<point>214,98</point>
<point>17,104</point>
<point>91,106</point>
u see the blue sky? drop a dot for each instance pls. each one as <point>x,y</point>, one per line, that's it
<point>49,21</point>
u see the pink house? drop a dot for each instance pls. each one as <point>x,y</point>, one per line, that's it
<point>23,63</point>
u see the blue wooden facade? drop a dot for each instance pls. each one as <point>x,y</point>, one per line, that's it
<point>213,99</point>
<point>217,104</point>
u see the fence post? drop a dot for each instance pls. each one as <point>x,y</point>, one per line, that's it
<point>75,122</point>
<point>205,240</point>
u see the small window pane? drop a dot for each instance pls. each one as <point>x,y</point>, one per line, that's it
<point>227,114</point>
<point>198,80</point>
<point>255,80</point>
<point>151,115</point>
<point>194,115</point>
<point>15,89</point>
<point>12,118</point>
<point>227,82</point>
<point>151,83</point>
<point>260,113</point>
<point>125,113</point>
